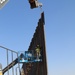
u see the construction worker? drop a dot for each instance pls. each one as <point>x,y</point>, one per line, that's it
<point>38,52</point>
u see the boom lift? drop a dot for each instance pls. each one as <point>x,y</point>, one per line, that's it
<point>29,56</point>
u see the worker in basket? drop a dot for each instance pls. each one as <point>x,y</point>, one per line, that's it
<point>38,54</point>
<point>34,4</point>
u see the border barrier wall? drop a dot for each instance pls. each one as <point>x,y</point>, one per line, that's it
<point>39,68</point>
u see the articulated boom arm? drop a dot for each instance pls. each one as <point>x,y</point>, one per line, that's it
<point>10,65</point>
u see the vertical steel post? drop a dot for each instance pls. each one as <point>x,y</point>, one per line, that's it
<point>16,71</point>
<point>12,65</point>
<point>18,64</point>
<point>7,62</point>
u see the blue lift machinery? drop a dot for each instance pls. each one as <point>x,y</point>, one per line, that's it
<point>30,56</point>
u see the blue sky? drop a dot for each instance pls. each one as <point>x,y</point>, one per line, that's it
<point>18,23</point>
